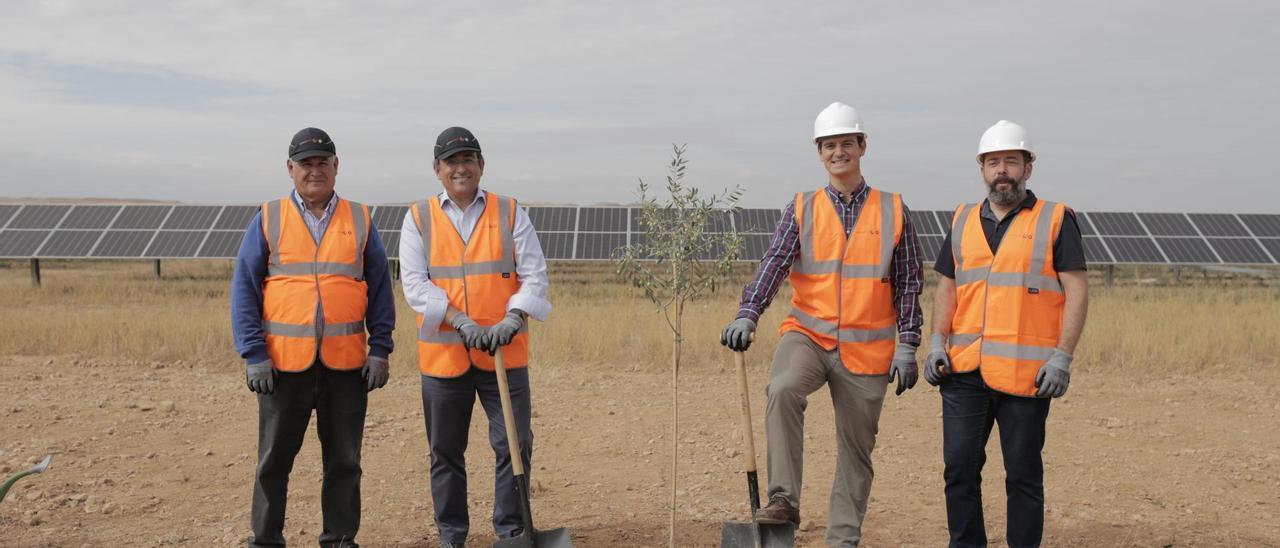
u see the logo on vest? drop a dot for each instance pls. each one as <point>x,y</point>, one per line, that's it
<point>506,275</point>
<point>1033,290</point>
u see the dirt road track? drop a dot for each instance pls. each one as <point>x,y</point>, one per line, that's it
<point>163,455</point>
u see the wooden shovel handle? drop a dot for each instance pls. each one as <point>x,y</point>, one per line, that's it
<point>508,416</point>
<point>748,438</point>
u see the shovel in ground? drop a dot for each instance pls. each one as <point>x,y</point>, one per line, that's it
<point>39,468</point>
<point>529,537</point>
<point>752,535</point>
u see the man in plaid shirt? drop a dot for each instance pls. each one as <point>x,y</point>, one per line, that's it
<point>829,341</point>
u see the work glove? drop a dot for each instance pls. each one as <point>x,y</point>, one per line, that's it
<point>903,367</point>
<point>473,336</point>
<point>937,364</point>
<point>737,335</point>
<point>376,373</point>
<point>1054,375</point>
<point>501,333</point>
<point>261,377</point>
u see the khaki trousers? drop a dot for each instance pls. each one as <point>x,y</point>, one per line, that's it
<point>799,368</point>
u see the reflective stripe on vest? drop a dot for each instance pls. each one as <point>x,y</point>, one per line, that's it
<point>1008,303</point>
<point>842,298</point>
<point>309,281</point>
<point>479,277</point>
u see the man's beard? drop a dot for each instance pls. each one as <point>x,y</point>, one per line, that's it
<point>1014,195</point>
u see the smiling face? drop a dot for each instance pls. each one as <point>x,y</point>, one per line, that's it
<point>460,174</point>
<point>1006,173</point>
<point>842,155</point>
<point>314,177</point>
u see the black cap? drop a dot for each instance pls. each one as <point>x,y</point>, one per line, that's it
<point>454,140</point>
<point>311,142</point>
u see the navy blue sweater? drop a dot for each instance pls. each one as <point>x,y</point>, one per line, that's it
<point>246,295</point>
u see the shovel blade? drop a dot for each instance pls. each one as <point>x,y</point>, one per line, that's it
<point>743,535</point>
<point>555,538</point>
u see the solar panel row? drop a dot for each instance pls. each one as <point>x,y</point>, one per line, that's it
<point>594,233</point>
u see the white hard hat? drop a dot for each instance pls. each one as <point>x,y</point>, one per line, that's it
<point>837,119</point>
<point>1005,135</point>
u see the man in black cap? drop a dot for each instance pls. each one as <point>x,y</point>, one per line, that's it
<point>473,270</point>
<point>310,278</point>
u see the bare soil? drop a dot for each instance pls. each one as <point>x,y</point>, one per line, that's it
<point>148,454</point>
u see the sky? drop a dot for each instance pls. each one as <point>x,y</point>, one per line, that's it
<point>1132,106</point>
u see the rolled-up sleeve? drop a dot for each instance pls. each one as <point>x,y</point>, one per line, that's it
<point>531,269</point>
<point>424,297</point>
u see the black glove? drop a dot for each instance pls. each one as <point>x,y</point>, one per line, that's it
<point>261,377</point>
<point>376,373</point>
<point>737,335</point>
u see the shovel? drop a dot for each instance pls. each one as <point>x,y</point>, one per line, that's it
<point>753,535</point>
<point>529,537</point>
<point>37,469</point>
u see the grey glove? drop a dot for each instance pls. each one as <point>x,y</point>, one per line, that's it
<point>376,373</point>
<point>501,333</point>
<point>1054,375</point>
<point>904,368</point>
<point>473,336</point>
<point>261,377</point>
<point>737,335</point>
<point>937,364</point>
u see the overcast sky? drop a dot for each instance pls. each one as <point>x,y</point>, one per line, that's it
<point>1139,105</point>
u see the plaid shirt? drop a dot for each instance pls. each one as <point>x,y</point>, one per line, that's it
<point>905,273</point>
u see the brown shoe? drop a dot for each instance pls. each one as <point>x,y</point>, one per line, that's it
<point>777,512</point>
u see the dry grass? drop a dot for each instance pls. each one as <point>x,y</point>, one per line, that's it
<point>118,309</point>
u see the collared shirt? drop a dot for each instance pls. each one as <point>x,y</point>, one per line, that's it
<point>430,300</point>
<point>316,225</point>
<point>784,249</point>
<point>1068,249</point>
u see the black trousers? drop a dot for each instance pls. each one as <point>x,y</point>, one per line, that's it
<point>969,409</point>
<point>446,406</point>
<point>339,399</point>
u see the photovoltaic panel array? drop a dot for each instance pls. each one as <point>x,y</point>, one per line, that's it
<point>167,231</point>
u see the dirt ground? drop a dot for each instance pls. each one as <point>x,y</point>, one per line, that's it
<point>149,454</point>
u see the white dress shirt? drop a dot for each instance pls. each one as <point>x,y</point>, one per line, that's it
<point>428,299</point>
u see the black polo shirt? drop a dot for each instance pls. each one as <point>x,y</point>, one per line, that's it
<point>1068,249</point>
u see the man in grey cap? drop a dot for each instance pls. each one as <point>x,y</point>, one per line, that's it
<point>310,278</point>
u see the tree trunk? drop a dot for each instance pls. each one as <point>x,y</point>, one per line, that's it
<point>675,417</point>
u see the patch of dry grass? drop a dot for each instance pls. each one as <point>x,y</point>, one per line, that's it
<point>118,309</point>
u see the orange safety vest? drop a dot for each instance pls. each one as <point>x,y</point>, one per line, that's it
<point>478,275</point>
<point>303,277</point>
<point>841,295</point>
<point>1009,303</point>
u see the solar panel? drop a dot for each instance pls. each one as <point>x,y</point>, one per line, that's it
<point>192,217</point>
<point>69,243</point>
<point>176,243</point>
<point>1116,224</point>
<point>1239,250</point>
<point>1218,224</point>
<point>221,244</point>
<point>1086,226</point>
<point>141,216</point>
<point>1095,252</point>
<point>553,219</point>
<point>602,219</point>
<point>930,246</point>
<point>556,245</point>
<point>391,243</point>
<point>1187,250</point>
<point>123,243</point>
<point>599,246</point>
<point>1272,245</point>
<point>39,216</point>
<point>1134,250</point>
<point>944,219</point>
<point>6,212</point>
<point>717,221</point>
<point>21,243</point>
<point>925,222</point>
<point>1168,224</point>
<point>754,246</point>
<point>389,217</point>
<point>91,216</point>
<point>236,217</point>
<point>757,221</point>
<point>1260,225</point>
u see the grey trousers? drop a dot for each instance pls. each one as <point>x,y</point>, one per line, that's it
<point>799,368</point>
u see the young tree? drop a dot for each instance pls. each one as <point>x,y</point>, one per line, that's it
<point>688,246</point>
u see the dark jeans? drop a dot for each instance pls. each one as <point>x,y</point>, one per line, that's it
<point>446,406</point>
<point>969,409</point>
<point>339,399</point>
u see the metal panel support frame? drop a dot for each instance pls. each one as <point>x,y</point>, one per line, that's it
<point>35,272</point>
<point>1109,271</point>
<point>157,269</point>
